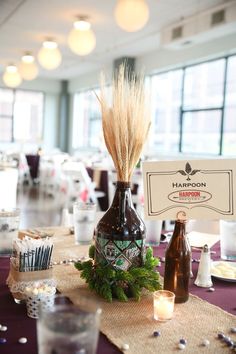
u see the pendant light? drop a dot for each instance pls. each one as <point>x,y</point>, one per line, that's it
<point>27,68</point>
<point>49,55</point>
<point>11,76</point>
<point>131,15</point>
<point>81,39</point>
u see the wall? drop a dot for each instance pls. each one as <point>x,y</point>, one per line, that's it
<point>90,80</point>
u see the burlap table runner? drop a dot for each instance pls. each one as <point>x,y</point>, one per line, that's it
<point>132,322</point>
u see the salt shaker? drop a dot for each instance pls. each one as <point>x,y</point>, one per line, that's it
<point>204,270</point>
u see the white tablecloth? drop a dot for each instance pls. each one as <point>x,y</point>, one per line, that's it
<point>8,187</point>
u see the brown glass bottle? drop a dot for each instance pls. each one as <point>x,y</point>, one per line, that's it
<point>119,235</point>
<point>177,263</point>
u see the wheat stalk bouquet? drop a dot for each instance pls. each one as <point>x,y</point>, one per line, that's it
<point>126,122</point>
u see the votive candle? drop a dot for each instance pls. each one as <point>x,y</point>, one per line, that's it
<point>163,305</point>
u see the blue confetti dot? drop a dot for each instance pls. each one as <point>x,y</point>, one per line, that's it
<point>183,341</point>
<point>156,333</point>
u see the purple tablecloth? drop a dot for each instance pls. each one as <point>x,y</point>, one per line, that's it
<point>19,325</point>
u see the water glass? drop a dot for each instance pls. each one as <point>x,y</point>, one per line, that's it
<point>9,227</point>
<point>228,239</point>
<point>65,328</point>
<point>153,230</point>
<point>84,222</point>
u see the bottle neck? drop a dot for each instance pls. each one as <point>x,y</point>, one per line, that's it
<point>179,241</point>
<point>123,185</point>
<point>180,228</point>
<point>122,199</point>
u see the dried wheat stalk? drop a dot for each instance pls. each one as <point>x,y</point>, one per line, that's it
<point>126,123</point>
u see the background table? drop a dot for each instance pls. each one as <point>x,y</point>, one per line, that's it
<point>19,325</point>
<point>8,187</point>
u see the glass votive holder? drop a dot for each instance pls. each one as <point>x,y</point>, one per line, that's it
<point>84,215</point>
<point>163,305</point>
<point>9,226</point>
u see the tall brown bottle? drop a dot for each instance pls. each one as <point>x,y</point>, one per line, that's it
<point>177,263</point>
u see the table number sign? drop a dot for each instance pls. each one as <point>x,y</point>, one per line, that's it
<point>203,189</point>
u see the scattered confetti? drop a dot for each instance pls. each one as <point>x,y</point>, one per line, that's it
<point>125,346</point>
<point>3,340</point>
<point>221,335</point>
<point>183,341</point>
<point>181,346</point>
<point>3,328</point>
<point>206,343</point>
<point>211,290</point>
<point>22,340</point>
<point>156,333</point>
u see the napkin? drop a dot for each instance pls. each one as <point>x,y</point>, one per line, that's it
<point>199,239</point>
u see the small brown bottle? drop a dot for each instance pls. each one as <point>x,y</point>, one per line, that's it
<point>177,263</point>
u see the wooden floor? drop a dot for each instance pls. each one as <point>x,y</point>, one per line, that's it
<point>37,209</point>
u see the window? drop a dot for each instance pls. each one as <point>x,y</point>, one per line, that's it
<point>166,102</point>
<point>87,119</point>
<point>6,115</point>
<point>194,109</point>
<point>229,138</point>
<point>202,108</point>
<point>201,132</point>
<point>202,87</point>
<point>87,124</point>
<point>21,115</point>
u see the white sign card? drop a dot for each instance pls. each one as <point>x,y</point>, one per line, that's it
<point>203,189</point>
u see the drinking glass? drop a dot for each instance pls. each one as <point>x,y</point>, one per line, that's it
<point>228,239</point>
<point>65,328</point>
<point>153,230</point>
<point>9,227</point>
<point>84,222</point>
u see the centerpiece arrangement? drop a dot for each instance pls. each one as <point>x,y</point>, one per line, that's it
<point>120,267</point>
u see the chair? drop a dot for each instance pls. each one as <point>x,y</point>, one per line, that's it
<point>79,182</point>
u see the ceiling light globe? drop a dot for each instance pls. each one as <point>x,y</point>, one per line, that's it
<point>49,56</point>
<point>11,77</point>
<point>27,68</point>
<point>81,42</point>
<point>131,15</point>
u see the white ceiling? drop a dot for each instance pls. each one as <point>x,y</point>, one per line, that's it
<point>24,24</point>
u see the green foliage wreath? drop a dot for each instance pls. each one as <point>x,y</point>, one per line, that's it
<point>116,283</point>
